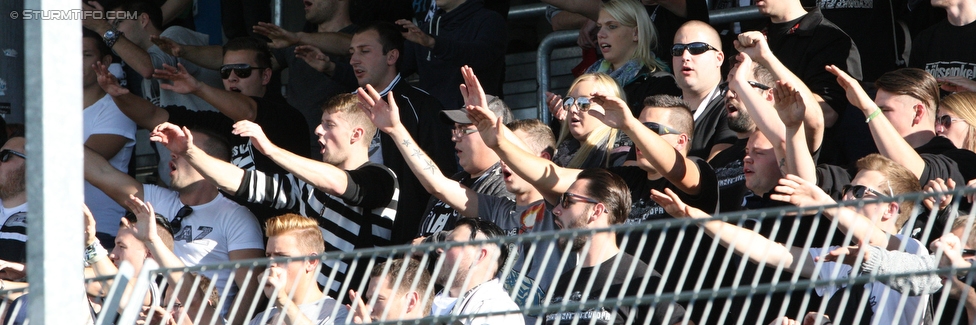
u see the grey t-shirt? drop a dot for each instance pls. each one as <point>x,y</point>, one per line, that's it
<point>162,97</point>
<point>516,220</point>
<point>320,312</point>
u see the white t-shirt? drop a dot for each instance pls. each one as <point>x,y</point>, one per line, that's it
<point>210,233</point>
<point>104,117</point>
<point>885,302</point>
<point>319,312</point>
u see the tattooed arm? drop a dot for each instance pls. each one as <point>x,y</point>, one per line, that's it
<point>386,117</point>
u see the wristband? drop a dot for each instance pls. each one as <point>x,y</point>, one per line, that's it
<point>94,253</point>
<point>873,115</point>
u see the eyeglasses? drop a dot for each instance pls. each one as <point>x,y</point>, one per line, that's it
<point>695,48</point>
<point>565,201</point>
<point>582,102</point>
<point>6,153</point>
<point>946,121</point>
<point>242,70</point>
<point>754,84</point>
<point>462,131</point>
<point>858,191</point>
<point>661,129</point>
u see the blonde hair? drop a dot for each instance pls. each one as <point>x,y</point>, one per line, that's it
<point>348,105</point>
<point>963,104</point>
<point>606,84</point>
<point>900,181</point>
<point>305,230</point>
<point>631,13</point>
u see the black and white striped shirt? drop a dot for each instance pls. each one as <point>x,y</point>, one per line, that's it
<point>360,218</point>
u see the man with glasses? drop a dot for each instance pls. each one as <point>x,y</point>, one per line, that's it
<point>245,96</point>
<point>130,39</point>
<point>13,205</point>
<point>598,199</point>
<point>697,60</point>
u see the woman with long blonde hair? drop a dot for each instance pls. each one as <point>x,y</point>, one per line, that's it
<point>957,118</point>
<point>584,141</point>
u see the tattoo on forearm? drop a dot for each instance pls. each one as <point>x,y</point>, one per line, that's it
<point>406,142</point>
<point>431,167</point>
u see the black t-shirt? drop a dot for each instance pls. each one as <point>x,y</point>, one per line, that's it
<point>615,283</point>
<point>869,23</point>
<point>711,128</point>
<point>809,43</point>
<point>671,250</point>
<point>442,217</point>
<point>945,50</point>
<point>731,178</point>
<point>649,84</point>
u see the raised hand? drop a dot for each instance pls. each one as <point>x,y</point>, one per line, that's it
<point>555,104</point>
<point>789,104</point>
<point>754,45</point>
<point>384,115</point>
<point>360,311</point>
<point>489,125</point>
<point>89,21</point>
<point>674,206</point>
<point>951,247</point>
<point>414,34</point>
<point>182,81</point>
<point>145,227</point>
<point>800,192</point>
<point>176,139</point>
<point>471,90</point>
<point>12,270</point>
<point>280,38</point>
<point>855,93</point>
<point>107,81</point>
<point>89,225</point>
<point>252,130</point>
<point>957,84</point>
<point>938,202</point>
<point>315,58</point>
<point>614,113</point>
<point>587,36</point>
<point>847,255</point>
<point>169,46</point>
<point>276,282</point>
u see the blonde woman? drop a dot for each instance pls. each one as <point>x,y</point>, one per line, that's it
<point>956,120</point>
<point>584,141</point>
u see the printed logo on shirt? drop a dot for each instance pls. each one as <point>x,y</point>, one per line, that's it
<point>186,234</point>
<point>18,219</point>
<point>241,156</point>
<point>845,4</point>
<point>943,69</point>
<point>531,217</point>
<point>645,209</point>
<point>441,214</point>
<point>730,174</point>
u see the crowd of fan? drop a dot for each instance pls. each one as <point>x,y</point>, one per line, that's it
<point>745,116</point>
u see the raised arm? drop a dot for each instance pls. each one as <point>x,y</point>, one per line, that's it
<point>744,242</point>
<point>814,120</point>
<point>675,167</point>
<point>329,42</point>
<point>180,141</point>
<point>133,55</point>
<point>762,111</point>
<point>323,176</point>
<point>207,56</point>
<point>117,185</point>
<point>138,109</point>
<point>386,116</point>
<point>550,179</point>
<point>588,8</point>
<point>791,109</point>
<point>234,105</point>
<point>890,143</point>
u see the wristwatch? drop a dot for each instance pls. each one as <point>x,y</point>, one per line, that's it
<point>111,36</point>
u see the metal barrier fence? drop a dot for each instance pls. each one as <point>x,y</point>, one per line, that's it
<point>739,293</point>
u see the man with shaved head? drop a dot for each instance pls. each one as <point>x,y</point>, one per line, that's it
<point>697,59</point>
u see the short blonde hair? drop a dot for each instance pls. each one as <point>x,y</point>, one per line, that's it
<point>348,106</point>
<point>305,230</point>
<point>901,180</point>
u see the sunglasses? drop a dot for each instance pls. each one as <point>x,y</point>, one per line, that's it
<point>242,70</point>
<point>661,129</point>
<point>565,200</point>
<point>582,102</point>
<point>695,48</point>
<point>858,191</point>
<point>946,121</point>
<point>6,153</point>
<point>754,84</point>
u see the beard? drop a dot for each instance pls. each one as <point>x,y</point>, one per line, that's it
<point>14,184</point>
<point>578,241</point>
<point>741,123</point>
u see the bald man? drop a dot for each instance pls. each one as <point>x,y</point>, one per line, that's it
<point>697,59</point>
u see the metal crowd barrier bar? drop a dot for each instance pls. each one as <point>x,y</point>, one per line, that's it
<point>714,300</point>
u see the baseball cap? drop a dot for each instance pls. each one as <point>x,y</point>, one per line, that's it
<point>495,105</point>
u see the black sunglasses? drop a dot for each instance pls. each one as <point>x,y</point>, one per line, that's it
<point>6,153</point>
<point>582,102</point>
<point>858,191</point>
<point>754,84</point>
<point>242,70</point>
<point>695,48</point>
<point>565,201</point>
<point>661,129</point>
